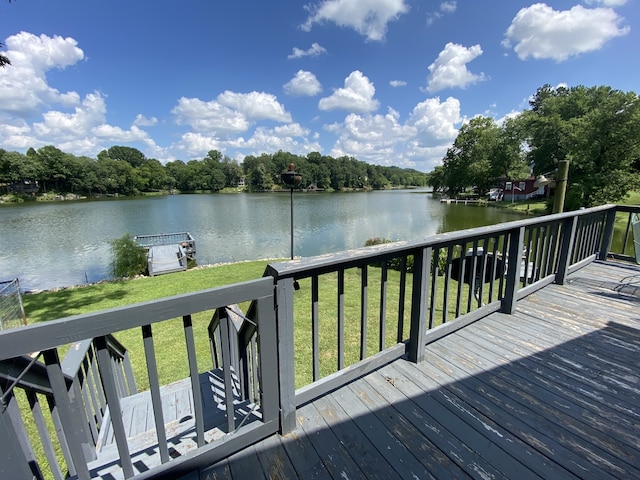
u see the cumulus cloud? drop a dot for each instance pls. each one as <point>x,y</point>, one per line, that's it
<point>435,120</point>
<point>142,121</point>
<point>23,87</point>
<point>255,105</point>
<point>397,83</point>
<point>541,32</point>
<point>291,137</point>
<point>356,95</point>
<point>444,9</point>
<point>367,17</point>
<point>80,132</point>
<point>384,139</point>
<point>450,68</point>
<point>230,112</point>
<point>314,51</point>
<point>303,84</point>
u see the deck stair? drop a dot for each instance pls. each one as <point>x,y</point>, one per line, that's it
<point>177,406</point>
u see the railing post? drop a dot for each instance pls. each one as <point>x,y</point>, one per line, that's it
<point>286,371</point>
<point>569,227</point>
<point>74,431</point>
<point>268,352</point>
<point>13,460</point>
<point>420,292</point>
<point>516,248</point>
<point>607,236</point>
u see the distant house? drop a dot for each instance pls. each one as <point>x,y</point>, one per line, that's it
<point>24,187</point>
<point>522,189</point>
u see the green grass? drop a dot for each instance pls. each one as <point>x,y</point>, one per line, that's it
<point>53,304</point>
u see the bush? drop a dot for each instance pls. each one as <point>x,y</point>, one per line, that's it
<point>396,263</point>
<point>127,257</point>
<point>393,263</point>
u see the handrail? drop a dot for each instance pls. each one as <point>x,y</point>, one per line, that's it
<point>87,388</point>
<point>431,299</point>
<point>347,313</point>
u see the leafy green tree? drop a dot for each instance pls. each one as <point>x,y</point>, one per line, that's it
<point>127,257</point>
<point>132,156</point>
<point>596,129</point>
<point>153,176</point>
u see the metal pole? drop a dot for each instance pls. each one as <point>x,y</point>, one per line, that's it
<point>291,223</point>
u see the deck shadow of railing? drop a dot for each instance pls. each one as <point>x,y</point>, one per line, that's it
<point>534,414</point>
<point>358,309</point>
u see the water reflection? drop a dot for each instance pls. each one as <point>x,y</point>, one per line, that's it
<point>61,244</point>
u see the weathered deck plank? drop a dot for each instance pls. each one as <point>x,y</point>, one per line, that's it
<point>552,391</point>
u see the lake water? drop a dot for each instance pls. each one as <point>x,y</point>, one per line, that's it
<point>67,243</point>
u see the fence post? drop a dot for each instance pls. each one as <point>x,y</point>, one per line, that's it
<point>286,370</point>
<point>516,248</point>
<point>607,236</point>
<point>419,296</point>
<point>569,227</point>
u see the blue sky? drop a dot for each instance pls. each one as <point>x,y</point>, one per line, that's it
<point>388,82</point>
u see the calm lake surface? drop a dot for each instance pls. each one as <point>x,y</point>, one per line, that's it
<point>67,243</point>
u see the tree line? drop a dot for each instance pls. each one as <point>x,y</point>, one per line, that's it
<point>595,129</point>
<point>126,171</point>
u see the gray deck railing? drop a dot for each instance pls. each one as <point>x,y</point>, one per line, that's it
<point>400,296</point>
<point>312,325</point>
<point>72,394</point>
<point>74,412</point>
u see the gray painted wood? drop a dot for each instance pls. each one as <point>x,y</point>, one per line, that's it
<point>550,391</point>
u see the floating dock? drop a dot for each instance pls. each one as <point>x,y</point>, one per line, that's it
<point>468,201</point>
<point>167,252</point>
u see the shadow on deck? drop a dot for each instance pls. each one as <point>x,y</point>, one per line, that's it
<point>551,391</point>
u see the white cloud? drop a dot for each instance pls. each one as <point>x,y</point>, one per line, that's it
<point>436,121</point>
<point>382,139</point>
<point>23,86</point>
<point>356,96</point>
<point>397,83</point>
<point>230,112</point>
<point>445,8</point>
<point>142,121</point>
<point>541,32</point>
<point>314,51</point>
<point>81,132</point>
<point>367,17</point>
<point>255,105</point>
<point>209,117</point>
<point>303,84</point>
<point>450,68</point>
<point>606,3</point>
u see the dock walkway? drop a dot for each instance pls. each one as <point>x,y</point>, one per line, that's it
<point>552,391</point>
<point>166,259</point>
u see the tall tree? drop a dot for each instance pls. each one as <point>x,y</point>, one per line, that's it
<point>596,129</point>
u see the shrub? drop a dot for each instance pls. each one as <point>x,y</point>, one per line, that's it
<point>127,257</point>
<point>393,263</point>
<point>396,263</point>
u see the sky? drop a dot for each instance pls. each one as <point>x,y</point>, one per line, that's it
<point>389,82</point>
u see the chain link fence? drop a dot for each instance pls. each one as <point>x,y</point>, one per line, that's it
<point>11,309</point>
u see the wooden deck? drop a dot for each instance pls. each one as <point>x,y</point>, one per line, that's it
<point>550,392</point>
<point>163,259</point>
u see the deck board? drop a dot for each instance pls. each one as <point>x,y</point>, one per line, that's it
<point>551,391</point>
